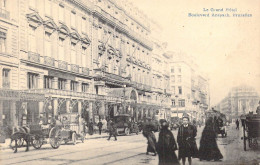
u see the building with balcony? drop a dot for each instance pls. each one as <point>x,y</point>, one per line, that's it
<point>239,100</point>
<point>87,57</point>
<point>188,86</point>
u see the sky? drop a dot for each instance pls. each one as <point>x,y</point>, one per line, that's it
<point>226,48</point>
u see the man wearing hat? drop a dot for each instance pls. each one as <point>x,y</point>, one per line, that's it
<point>186,141</point>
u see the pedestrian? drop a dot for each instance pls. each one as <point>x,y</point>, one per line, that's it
<point>112,130</point>
<point>100,124</point>
<point>91,127</point>
<point>151,140</point>
<point>166,146</point>
<point>186,141</point>
<point>208,149</point>
<point>237,123</point>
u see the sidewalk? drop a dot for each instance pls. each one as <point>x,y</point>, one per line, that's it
<point>4,146</point>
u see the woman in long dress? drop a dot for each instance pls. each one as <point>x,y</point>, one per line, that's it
<point>166,146</point>
<point>151,140</point>
<point>208,149</point>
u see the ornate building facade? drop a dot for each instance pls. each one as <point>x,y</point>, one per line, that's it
<point>90,57</point>
<point>240,100</point>
<point>189,87</point>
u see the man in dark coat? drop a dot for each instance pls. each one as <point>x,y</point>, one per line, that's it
<point>91,127</point>
<point>186,141</point>
<point>166,146</point>
<point>112,130</point>
<point>100,126</point>
<point>237,123</point>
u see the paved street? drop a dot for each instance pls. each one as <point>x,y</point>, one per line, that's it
<point>127,150</point>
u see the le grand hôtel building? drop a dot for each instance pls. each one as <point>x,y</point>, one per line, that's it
<point>94,58</point>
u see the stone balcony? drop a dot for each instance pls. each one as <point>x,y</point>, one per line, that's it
<point>49,62</point>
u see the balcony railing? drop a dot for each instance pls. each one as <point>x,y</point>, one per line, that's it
<point>74,68</point>
<point>49,61</point>
<point>4,14</point>
<point>62,65</point>
<point>34,57</point>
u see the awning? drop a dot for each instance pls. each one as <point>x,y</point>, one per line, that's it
<point>15,95</point>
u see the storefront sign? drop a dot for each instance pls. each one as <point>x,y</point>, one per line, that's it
<point>19,95</point>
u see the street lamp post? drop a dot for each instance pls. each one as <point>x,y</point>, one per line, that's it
<point>124,109</point>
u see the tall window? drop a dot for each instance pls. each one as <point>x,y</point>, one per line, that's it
<point>73,53</point>
<point>61,13</point>
<point>47,45</point>
<point>61,49</point>
<point>83,25</point>
<point>3,4</point>
<point>6,78</point>
<point>61,83</point>
<point>32,80</point>
<point>2,41</point>
<point>180,90</point>
<point>179,78</point>
<point>179,70</point>
<point>32,39</point>
<point>182,103</point>
<point>172,70</point>
<point>47,7</point>
<point>73,19</point>
<point>85,87</point>
<point>48,82</point>
<point>173,90</point>
<point>73,86</point>
<point>173,79</point>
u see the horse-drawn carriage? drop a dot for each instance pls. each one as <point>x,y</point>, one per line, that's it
<point>56,132</point>
<point>251,130</point>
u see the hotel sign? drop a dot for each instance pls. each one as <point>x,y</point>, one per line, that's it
<point>20,96</point>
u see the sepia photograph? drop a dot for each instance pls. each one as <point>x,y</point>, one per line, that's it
<point>129,82</point>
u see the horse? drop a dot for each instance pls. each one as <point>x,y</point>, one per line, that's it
<point>19,135</point>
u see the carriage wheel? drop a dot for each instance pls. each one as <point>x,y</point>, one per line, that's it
<point>55,143</point>
<point>37,142</point>
<point>55,138</point>
<point>127,131</point>
<point>74,138</point>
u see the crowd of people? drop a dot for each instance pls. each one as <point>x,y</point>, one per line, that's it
<point>186,145</point>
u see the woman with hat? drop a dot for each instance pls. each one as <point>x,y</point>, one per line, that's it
<point>186,141</point>
<point>166,146</point>
<point>148,133</point>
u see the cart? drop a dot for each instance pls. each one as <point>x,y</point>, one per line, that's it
<point>71,129</point>
<point>251,130</point>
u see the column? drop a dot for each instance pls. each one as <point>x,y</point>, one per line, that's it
<point>106,110</point>
<point>79,107</point>
<point>115,110</point>
<point>55,106</point>
<point>91,110</point>
<point>41,81</point>
<point>68,106</point>
<point>55,83</point>
<point>14,120</point>
<point>67,86</point>
<point>79,88</point>
<point>137,114</point>
<point>1,113</point>
<point>41,104</point>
